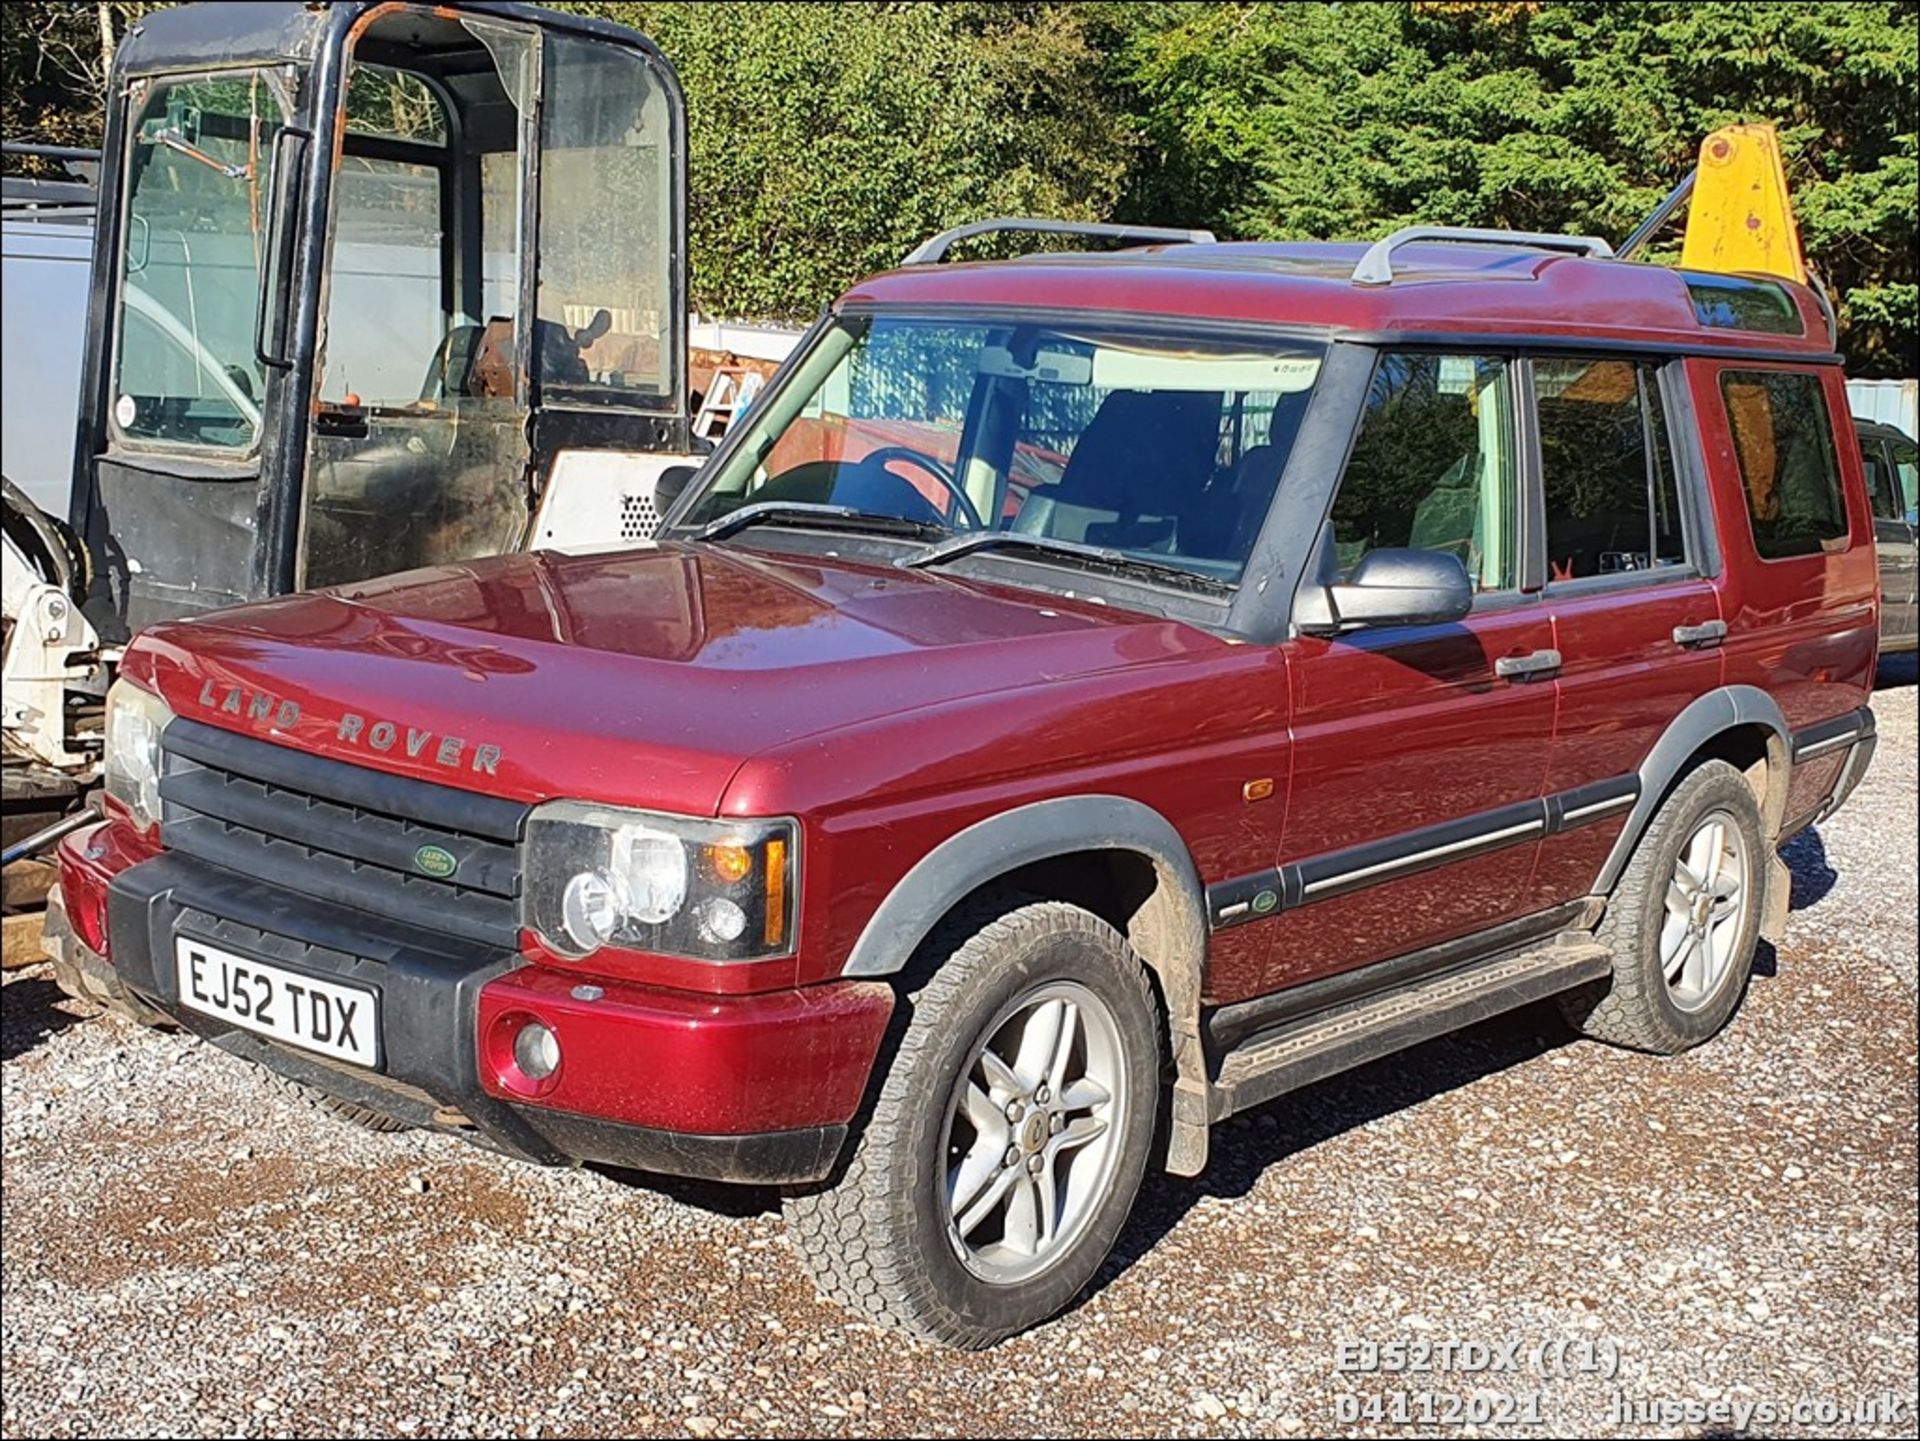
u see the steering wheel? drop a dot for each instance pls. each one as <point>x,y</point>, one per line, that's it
<point>939,470</point>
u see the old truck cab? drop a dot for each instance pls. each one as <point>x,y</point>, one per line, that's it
<point>370,280</point>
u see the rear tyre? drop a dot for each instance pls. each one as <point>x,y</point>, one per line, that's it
<point>1683,921</point>
<point>1008,1139</point>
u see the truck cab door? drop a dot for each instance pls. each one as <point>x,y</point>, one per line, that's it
<point>174,433</point>
<point>417,451</point>
<point>502,285</point>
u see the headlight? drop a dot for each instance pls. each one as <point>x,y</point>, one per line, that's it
<point>714,890</point>
<point>135,718</point>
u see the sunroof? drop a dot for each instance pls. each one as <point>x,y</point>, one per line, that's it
<point>1733,302</point>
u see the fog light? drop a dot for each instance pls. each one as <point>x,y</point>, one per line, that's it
<point>536,1051</point>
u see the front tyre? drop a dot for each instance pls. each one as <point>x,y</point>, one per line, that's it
<point>1008,1139</point>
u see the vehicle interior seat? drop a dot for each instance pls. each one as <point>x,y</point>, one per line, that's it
<point>1143,451</point>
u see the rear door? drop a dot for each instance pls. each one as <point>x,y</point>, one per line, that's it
<point>1636,618</point>
<point>1418,766</point>
<point>1798,575</point>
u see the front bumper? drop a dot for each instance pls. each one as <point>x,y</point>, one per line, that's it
<point>753,1088</point>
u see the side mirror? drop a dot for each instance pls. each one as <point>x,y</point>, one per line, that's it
<point>673,480</point>
<point>1393,587</point>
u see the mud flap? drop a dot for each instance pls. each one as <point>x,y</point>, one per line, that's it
<point>1777,902</point>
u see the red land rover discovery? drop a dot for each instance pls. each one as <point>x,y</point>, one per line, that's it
<point>1088,695</point>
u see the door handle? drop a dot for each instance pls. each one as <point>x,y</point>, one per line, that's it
<point>1519,667</point>
<point>1707,633</point>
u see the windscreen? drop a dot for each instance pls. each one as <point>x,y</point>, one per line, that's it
<point>1164,446</point>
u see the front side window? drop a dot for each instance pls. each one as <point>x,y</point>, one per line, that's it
<point>1783,440</point>
<point>1906,471</point>
<point>1606,463</point>
<point>1433,467</point>
<point>1882,487</point>
<point>1162,448</point>
<point>199,188</point>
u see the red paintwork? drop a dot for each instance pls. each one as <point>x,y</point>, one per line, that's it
<point>644,677</point>
<point>87,860</point>
<point>887,710</point>
<point>1388,739</point>
<point>773,1062</point>
<point>1623,680</point>
<point>1463,288</point>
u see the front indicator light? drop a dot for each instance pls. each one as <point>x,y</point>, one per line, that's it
<point>774,926</point>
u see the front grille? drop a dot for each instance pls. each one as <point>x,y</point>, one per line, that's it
<point>341,833</point>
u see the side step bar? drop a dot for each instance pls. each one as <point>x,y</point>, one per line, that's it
<point>1334,1040</point>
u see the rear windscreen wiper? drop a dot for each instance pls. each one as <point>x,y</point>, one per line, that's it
<point>806,512</point>
<point>1092,557</point>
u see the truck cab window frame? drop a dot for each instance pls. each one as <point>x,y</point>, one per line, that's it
<point>195,216</point>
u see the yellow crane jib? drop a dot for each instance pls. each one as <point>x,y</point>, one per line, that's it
<point>1739,219</point>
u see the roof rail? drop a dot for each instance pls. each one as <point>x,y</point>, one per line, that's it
<point>933,251</point>
<point>1657,217</point>
<point>50,152</point>
<point>1376,266</point>
<point>21,194</point>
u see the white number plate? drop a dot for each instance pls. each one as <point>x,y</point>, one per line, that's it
<point>324,1016</point>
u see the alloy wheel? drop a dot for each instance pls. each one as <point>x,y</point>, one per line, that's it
<point>1033,1132</point>
<point>1705,911</point>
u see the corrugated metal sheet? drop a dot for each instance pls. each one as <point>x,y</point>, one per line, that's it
<point>1891,402</point>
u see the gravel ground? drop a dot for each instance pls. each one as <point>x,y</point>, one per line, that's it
<point>190,1252</point>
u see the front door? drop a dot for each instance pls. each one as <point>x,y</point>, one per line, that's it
<point>1420,752</point>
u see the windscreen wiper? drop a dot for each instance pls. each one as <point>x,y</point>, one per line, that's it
<point>1093,557</point>
<point>807,512</point>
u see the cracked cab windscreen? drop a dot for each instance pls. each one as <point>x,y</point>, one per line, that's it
<point>1160,446</point>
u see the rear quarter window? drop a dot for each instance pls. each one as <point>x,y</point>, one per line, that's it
<point>1789,466</point>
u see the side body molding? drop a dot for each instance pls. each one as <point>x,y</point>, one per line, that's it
<point>1169,930</point>
<point>1712,714</point>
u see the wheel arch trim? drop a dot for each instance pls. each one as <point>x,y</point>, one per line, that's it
<point>1003,843</point>
<point>1169,931</point>
<point>1713,714</point>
